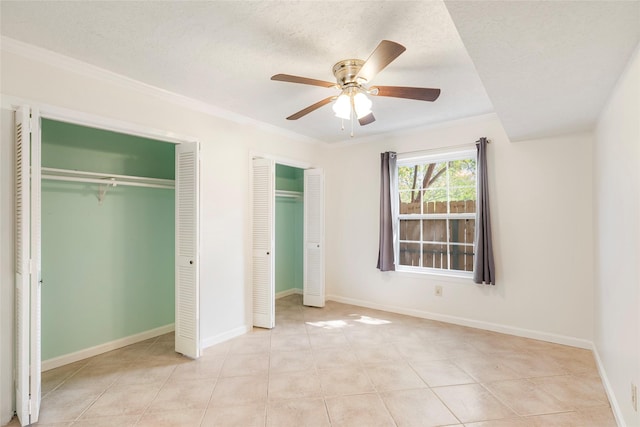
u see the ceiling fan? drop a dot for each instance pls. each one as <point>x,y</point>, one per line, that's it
<point>353,77</point>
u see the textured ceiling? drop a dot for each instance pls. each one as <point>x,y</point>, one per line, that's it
<point>224,52</point>
<point>548,66</point>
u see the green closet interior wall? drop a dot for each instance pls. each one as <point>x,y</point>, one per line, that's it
<point>289,229</point>
<point>107,269</point>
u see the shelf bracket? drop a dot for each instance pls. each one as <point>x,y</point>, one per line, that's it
<point>102,190</point>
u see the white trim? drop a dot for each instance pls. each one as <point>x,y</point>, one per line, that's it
<point>440,272</point>
<point>615,406</point>
<point>285,161</point>
<point>287,292</point>
<point>66,63</point>
<point>76,117</point>
<point>225,336</point>
<point>478,324</point>
<point>103,348</point>
<point>421,157</point>
<point>457,152</point>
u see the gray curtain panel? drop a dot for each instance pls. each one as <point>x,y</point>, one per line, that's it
<point>386,260</point>
<point>483,266</point>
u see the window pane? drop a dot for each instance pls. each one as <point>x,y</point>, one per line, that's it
<point>410,230</point>
<point>434,256</point>
<point>462,257</point>
<point>462,199</point>
<point>462,173</point>
<point>406,204</point>
<point>461,230</point>
<point>405,177</point>
<point>434,230</point>
<point>462,206</point>
<point>410,177</point>
<point>435,175</point>
<point>410,254</point>
<point>435,195</point>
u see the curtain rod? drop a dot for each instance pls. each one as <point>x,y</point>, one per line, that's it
<point>466,144</point>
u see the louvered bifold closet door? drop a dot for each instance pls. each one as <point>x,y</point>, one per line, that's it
<point>313,277</point>
<point>263,273</point>
<point>22,205</point>
<point>187,315</point>
<point>27,265</point>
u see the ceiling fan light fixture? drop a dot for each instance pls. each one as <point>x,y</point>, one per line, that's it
<point>342,107</point>
<point>362,105</point>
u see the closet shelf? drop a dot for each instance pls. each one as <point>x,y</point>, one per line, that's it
<point>105,179</point>
<point>291,194</point>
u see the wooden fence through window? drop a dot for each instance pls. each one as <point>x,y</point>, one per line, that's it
<point>434,255</point>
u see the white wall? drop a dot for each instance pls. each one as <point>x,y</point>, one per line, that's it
<point>225,147</point>
<point>541,213</point>
<point>617,239</point>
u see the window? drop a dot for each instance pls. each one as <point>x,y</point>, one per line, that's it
<point>435,222</point>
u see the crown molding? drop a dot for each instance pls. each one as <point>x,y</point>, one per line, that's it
<point>75,66</point>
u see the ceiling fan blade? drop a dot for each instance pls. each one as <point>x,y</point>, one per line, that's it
<point>419,93</point>
<point>382,56</point>
<point>366,119</point>
<point>310,108</point>
<point>302,80</point>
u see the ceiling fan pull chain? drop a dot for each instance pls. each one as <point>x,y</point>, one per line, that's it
<point>352,120</point>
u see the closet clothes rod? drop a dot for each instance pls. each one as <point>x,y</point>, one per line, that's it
<point>290,194</point>
<point>105,179</point>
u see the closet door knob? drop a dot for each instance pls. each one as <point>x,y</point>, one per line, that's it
<point>268,253</point>
<point>191,262</point>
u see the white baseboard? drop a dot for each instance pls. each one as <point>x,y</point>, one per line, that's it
<point>495,327</point>
<point>615,406</point>
<point>288,292</point>
<point>103,348</point>
<point>226,336</point>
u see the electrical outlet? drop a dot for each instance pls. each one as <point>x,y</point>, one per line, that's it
<point>634,397</point>
<point>438,291</point>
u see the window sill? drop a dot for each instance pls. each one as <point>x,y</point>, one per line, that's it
<point>446,275</point>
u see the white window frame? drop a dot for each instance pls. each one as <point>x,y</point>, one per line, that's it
<point>410,160</point>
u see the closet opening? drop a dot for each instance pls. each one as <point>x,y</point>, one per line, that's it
<point>289,236</point>
<point>102,219</point>
<point>108,240</point>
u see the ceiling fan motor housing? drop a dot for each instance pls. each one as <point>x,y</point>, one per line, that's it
<point>346,71</point>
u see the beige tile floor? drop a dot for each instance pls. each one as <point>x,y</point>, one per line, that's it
<point>337,366</point>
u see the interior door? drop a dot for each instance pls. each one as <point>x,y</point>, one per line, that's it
<point>263,274</point>
<point>313,276</point>
<point>187,313</point>
<point>28,282</point>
